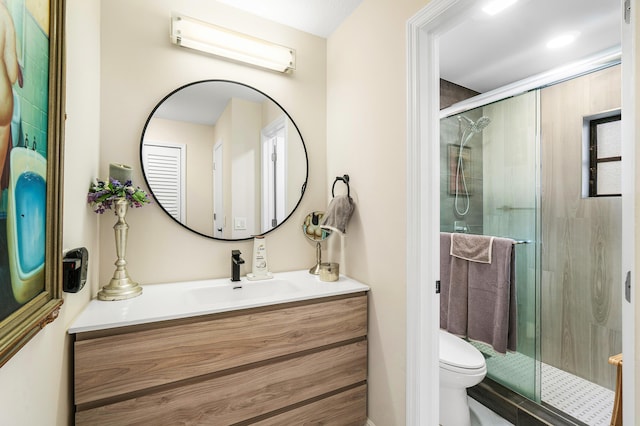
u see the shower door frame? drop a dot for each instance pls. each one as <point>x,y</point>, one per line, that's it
<point>423,224</point>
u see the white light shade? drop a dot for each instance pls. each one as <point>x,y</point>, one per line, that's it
<point>194,34</point>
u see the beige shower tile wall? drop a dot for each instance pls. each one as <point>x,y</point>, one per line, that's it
<point>581,238</point>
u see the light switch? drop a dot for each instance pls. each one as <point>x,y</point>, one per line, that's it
<point>240,223</point>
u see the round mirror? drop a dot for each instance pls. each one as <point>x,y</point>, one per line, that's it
<point>224,160</point>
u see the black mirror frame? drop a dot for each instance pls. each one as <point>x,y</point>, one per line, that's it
<point>304,147</point>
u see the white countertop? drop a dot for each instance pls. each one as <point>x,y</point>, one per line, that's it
<point>160,302</point>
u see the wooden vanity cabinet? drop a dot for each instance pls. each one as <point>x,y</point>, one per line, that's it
<point>288,364</point>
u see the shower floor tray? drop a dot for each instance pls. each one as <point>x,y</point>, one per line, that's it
<point>564,392</point>
<point>582,399</point>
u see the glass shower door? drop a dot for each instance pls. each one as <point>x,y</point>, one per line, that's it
<point>503,199</point>
<point>510,210</point>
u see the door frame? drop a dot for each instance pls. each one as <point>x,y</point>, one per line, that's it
<point>423,206</point>
<point>218,196</point>
<point>274,193</point>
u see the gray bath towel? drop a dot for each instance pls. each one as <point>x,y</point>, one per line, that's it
<point>338,213</point>
<point>453,290</point>
<point>478,300</point>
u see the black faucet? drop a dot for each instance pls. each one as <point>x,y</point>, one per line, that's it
<point>236,261</point>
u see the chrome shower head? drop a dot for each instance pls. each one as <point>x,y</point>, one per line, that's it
<point>480,125</point>
<point>475,127</point>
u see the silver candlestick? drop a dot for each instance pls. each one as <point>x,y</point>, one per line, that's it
<point>121,286</point>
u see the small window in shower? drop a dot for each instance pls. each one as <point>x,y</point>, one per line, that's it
<point>605,160</point>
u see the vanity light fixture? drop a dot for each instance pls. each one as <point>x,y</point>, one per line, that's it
<point>496,6</point>
<point>209,38</point>
<point>562,40</point>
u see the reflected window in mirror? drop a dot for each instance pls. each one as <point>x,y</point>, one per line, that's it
<point>224,159</point>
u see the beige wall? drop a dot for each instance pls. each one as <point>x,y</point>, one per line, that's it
<point>34,384</point>
<point>140,66</point>
<point>366,138</point>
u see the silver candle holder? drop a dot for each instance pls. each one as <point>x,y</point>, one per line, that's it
<point>121,286</point>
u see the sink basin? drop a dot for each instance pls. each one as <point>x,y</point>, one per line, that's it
<point>224,293</point>
<point>187,299</point>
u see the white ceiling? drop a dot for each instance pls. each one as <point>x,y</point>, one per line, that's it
<point>318,17</point>
<point>484,53</point>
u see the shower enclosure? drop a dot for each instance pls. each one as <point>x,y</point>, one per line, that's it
<point>516,168</point>
<point>502,201</point>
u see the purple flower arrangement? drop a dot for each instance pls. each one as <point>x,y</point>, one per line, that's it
<point>103,195</point>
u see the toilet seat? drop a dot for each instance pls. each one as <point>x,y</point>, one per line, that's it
<point>459,356</point>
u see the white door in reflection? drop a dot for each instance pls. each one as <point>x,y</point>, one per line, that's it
<point>274,161</point>
<point>164,165</point>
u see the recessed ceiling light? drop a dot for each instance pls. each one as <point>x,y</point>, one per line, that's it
<point>562,40</point>
<point>496,6</point>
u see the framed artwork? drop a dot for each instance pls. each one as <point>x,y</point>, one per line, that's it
<point>454,154</point>
<point>31,146</point>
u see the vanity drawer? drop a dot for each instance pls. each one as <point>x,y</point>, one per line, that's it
<point>132,361</point>
<point>345,408</point>
<point>289,390</point>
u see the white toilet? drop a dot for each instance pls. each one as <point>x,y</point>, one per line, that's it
<point>461,366</point>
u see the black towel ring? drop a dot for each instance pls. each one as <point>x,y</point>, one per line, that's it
<point>345,179</point>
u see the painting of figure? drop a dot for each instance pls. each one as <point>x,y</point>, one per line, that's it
<point>24,91</point>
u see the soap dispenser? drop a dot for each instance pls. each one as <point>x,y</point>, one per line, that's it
<point>259,268</point>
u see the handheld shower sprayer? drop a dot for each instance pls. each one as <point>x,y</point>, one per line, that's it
<point>471,128</point>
